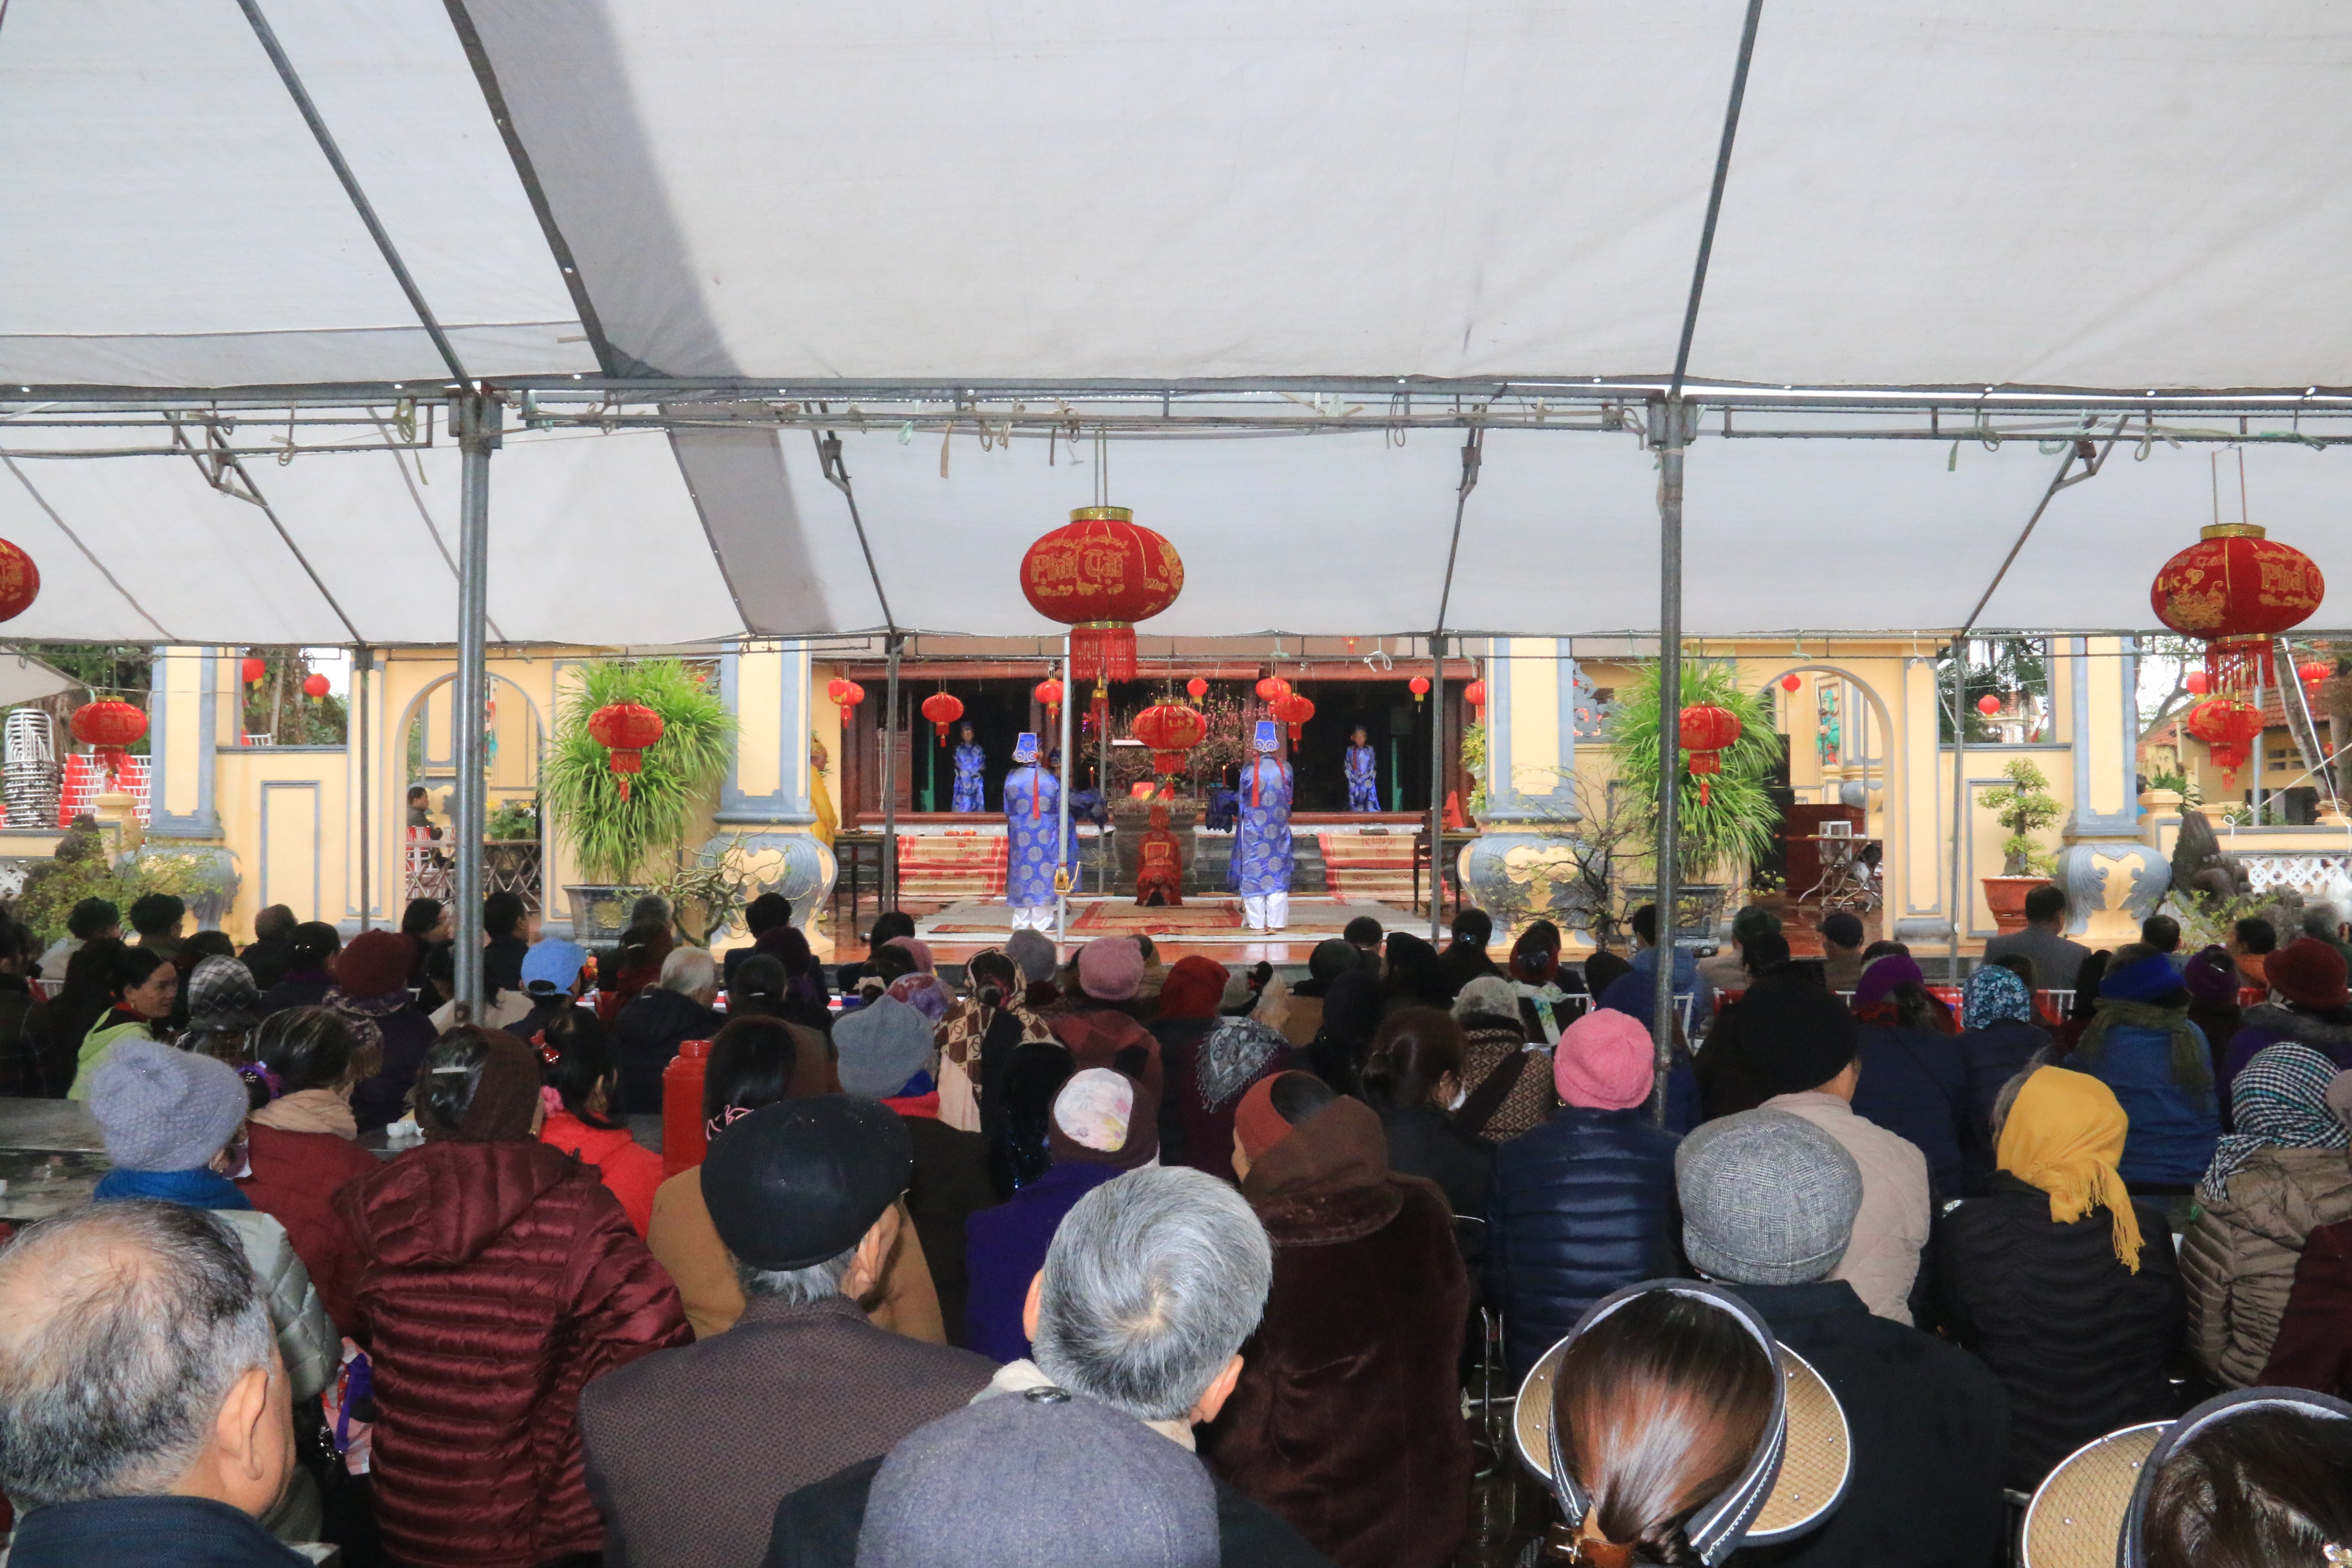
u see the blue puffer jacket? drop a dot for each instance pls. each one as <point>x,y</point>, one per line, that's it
<point>1914,1083</point>
<point>1581,1206</point>
<point>2173,1128</point>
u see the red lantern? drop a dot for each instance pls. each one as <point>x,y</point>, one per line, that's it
<point>1196,689</point>
<point>254,669</point>
<point>109,727</point>
<point>2228,727</point>
<point>20,581</point>
<point>625,728</point>
<point>1706,732</point>
<point>2197,683</point>
<point>846,695</point>
<point>315,686</point>
<point>1273,689</point>
<point>2311,672</point>
<point>1101,575</point>
<point>2234,590</point>
<point>1791,682</point>
<point>942,709</point>
<point>1295,711</point>
<point>1475,694</point>
<point>1988,705</point>
<point>1049,696</point>
<point>1419,686</point>
<point>1171,730</point>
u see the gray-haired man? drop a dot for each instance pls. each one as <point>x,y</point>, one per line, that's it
<point>1152,1283</point>
<point>144,1415</point>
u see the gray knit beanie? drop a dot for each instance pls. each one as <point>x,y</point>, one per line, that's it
<point>1768,1199</point>
<point>1033,952</point>
<point>162,1108</point>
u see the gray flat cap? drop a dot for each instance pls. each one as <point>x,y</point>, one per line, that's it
<point>1768,1198</point>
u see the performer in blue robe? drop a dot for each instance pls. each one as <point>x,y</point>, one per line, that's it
<point>1263,848</point>
<point>971,761</point>
<point>1033,826</point>
<point>1363,774</point>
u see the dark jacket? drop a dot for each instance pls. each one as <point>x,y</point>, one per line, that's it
<point>817,1527</point>
<point>382,1097</point>
<point>842,1389</point>
<point>1989,1057</point>
<point>1346,1419</point>
<point>152,1531</point>
<point>301,988</point>
<point>2270,1024</point>
<point>1582,1206</point>
<point>267,960</point>
<point>1006,1246</point>
<point>502,958</point>
<point>1104,1036</point>
<point>1929,1425</point>
<point>30,1058</point>
<point>647,1035</point>
<point>1423,1142</point>
<point>500,1279</point>
<point>294,1179</point>
<point>950,1185</point>
<point>2081,1343</point>
<point>1915,1084</point>
<point>2313,1348</point>
<point>1463,961</point>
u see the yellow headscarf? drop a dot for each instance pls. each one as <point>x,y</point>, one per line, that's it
<point>2064,1134</point>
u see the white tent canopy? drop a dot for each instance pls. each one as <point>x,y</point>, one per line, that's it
<point>741,206</point>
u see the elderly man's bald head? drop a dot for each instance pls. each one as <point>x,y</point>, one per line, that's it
<point>124,1329</point>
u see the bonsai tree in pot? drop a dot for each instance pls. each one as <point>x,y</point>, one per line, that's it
<point>623,843</point>
<point>2025,807</point>
<point>1716,837</point>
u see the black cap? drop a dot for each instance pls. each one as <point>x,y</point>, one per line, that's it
<point>1794,1035</point>
<point>802,1180</point>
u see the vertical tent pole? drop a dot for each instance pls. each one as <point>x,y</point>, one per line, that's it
<point>890,775</point>
<point>1102,793</point>
<point>1436,785</point>
<point>355,723</point>
<point>1670,703</point>
<point>1959,799</point>
<point>1062,827</point>
<point>478,419</point>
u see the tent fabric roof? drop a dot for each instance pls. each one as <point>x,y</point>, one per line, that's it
<point>1924,193</point>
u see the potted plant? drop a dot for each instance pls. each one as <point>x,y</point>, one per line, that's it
<point>2024,805</point>
<point>625,844</point>
<point>1733,826</point>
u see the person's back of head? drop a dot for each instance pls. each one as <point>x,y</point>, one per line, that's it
<point>2270,1487</point>
<point>1643,922</point>
<point>207,944</point>
<point>1877,949</point>
<point>1752,921</point>
<point>585,1072</point>
<point>1473,927</point>
<point>1763,953</point>
<point>312,943</point>
<point>650,910</point>
<point>311,1048</point>
<point>754,1062</point>
<point>766,913</point>
<point>691,972</point>
<point>2046,906</point>
<point>2322,922</point>
<point>2257,935</point>
<point>1417,1052</point>
<point>277,922</point>
<point>157,914</point>
<point>1796,1036</point>
<point>1152,1282</point>
<point>1843,929</point>
<point>1364,931</point>
<point>890,962</point>
<point>92,918</point>
<point>888,926</point>
<point>2161,932</point>
<point>1021,1120</point>
<point>757,987</point>
<point>420,919</point>
<point>1768,1198</point>
<point>2017,964</point>
<point>477,1086</point>
<point>137,1359</point>
<point>501,914</point>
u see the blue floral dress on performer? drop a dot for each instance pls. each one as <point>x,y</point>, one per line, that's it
<point>1364,779</point>
<point>970,791</point>
<point>1033,828</point>
<point>1263,848</point>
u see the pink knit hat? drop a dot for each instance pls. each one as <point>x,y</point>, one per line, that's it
<point>1604,1061</point>
<point>1110,968</point>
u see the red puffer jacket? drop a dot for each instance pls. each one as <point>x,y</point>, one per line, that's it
<point>295,1178</point>
<point>499,1279</point>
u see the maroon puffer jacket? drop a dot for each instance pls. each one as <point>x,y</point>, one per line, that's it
<point>499,1279</point>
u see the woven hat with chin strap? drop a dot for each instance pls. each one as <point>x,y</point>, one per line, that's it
<point>1795,1479</point>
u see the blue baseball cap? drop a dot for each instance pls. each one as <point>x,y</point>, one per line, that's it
<point>554,961</point>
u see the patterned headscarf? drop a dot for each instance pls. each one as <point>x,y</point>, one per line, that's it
<point>1993,994</point>
<point>2280,1098</point>
<point>2064,1134</point>
<point>1233,1056</point>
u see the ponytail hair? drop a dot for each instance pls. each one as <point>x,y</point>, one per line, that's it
<point>1413,1051</point>
<point>580,1061</point>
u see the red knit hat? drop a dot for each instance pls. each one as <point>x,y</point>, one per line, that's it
<point>2309,973</point>
<point>376,961</point>
<point>1256,1122</point>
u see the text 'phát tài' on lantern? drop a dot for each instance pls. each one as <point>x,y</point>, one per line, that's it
<point>109,727</point>
<point>845,694</point>
<point>20,581</point>
<point>1295,711</point>
<point>626,729</point>
<point>1171,730</point>
<point>942,709</point>
<point>2234,590</point>
<point>2228,727</point>
<point>1100,574</point>
<point>1706,733</point>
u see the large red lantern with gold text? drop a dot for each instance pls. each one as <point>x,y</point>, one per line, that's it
<point>2227,726</point>
<point>2234,590</point>
<point>1273,689</point>
<point>626,729</point>
<point>1706,732</point>
<point>20,581</point>
<point>942,709</point>
<point>1171,730</point>
<point>1295,711</point>
<point>845,694</point>
<point>1101,575</point>
<point>109,729</point>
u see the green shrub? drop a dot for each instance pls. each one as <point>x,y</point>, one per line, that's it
<point>614,838</point>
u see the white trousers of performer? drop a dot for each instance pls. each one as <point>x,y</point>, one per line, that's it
<point>1039,917</point>
<point>1266,911</point>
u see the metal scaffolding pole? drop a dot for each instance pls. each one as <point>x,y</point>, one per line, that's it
<point>1670,705</point>
<point>1436,785</point>
<point>890,775</point>
<point>356,724</point>
<point>477,421</point>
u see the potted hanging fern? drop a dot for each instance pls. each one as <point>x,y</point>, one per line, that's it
<point>624,845</point>
<point>2025,807</point>
<point>1719,832</point>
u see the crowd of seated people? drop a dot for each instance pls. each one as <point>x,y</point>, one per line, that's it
<point>1087,1259</point>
